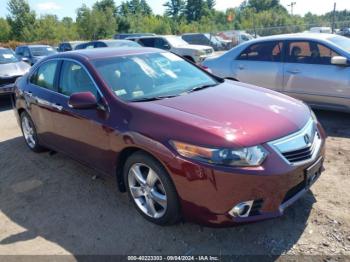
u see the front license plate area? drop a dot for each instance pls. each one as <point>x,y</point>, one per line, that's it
<point>313,172</point>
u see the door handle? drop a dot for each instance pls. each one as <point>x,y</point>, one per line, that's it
<point>294,71</point>
<point>241,67</point>
<point>57,106</point>
<point>28,93</point>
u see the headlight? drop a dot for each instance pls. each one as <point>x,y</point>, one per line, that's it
<point>199,53</point>
<point>313,116</point>
<point>249,156</point>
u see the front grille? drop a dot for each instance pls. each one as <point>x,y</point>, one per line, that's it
<point>208,51</point>
<point>7,80</point>
<point>255,209</point>
<point>300,155</point>
<point>300,147</point>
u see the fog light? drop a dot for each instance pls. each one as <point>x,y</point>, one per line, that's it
<point>242,209</point>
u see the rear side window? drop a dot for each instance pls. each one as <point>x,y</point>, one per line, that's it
<point>19,51</point>
<point>75,79</point>
<point>161,44</point>
<point>45,75</point>
<point>100,44</point>
<point>26,52</point>
<point>308,52</point>
<point>266,51</point>
<point>148,42</point>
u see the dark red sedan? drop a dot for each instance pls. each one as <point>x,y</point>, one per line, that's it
<point>180,141</point>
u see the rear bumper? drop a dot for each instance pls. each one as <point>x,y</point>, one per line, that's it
<point>208,194</point>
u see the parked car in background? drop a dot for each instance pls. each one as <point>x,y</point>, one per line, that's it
<point>227,44</point>
<point>203,39</point>
<point>10,69</point>
<point>344,32</point>
<point>180,141</point>
<point>236,37</point>
<point>68,46</point>
<point>176,45</point>
<point>33,53</point>
<point>107,43</point>
<point>126,35</point>
<point>312,67</point>
<point>321,29</point>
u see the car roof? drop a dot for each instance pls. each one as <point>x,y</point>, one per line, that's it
<point>152,36</point>
<point>113,40</point>
<point>195,34</point>
<point>308,36</point>
<point>101,53</point>
<point>72,42</point>
<point>34,45</point>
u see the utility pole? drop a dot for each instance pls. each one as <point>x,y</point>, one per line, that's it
<point>333,18</point>
<point>292,4</point>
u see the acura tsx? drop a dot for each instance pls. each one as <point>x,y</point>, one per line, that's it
<point>182,142</point>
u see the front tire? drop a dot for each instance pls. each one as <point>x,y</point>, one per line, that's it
<point>30,134</point>
<point>151,189</point>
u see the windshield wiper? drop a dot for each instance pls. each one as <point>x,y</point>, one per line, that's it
<point>146,99</point>
<point>197,88</point>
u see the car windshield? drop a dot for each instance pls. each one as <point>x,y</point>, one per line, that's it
<point>7,56</point>
<point>42,50</point>
<point>122,44</point>
<point>176,41</point>
<point>342,42</point>
<point>151,76</point>
<point>212,38</point>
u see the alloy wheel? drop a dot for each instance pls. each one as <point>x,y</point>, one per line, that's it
<point>147,190</point>
<point>28,132</point>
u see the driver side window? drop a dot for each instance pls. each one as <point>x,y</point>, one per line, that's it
<point>75,79</point>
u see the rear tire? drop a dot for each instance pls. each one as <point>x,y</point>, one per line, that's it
<point>30,134</point>
<point>151,190</point>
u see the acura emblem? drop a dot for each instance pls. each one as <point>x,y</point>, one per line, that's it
<point>307,139</point>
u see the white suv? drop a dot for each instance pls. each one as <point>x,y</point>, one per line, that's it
<point>175,44</point>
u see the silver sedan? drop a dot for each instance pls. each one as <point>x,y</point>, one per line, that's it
<point>312,67</point>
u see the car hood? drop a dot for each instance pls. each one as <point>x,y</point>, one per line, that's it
<point>13,69</point>
<point>230,114</point>
<point>194,47</point>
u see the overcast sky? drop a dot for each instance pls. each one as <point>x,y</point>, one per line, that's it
<point>67,7</point>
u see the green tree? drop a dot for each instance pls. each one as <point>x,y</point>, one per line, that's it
<point>138,7</point>
<point>103,5</point>
<point>211,4</point>
<point>21,20</point>
<point>196,9</point>
<point>175,8</point>
<point>95,24</point>
<point>46,28</point>
<point>5,30</point>
<point>263,5</point>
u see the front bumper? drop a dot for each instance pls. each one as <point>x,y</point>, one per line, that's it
<point>208,193</point>
<point>6,89</point>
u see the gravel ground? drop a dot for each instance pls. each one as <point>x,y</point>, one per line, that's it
<point>50,204</point>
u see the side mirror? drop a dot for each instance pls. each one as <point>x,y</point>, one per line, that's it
<point>339,60</point>
<point>82,100</point>
<point>166,47</point>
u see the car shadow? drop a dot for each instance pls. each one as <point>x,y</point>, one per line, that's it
<point>5,102</point>
<point>336,124</point>
<point>62,201</point>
